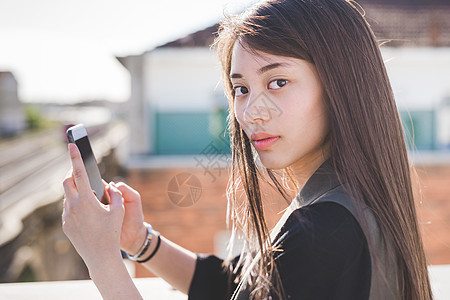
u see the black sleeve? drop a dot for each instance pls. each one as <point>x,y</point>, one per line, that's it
<point>325,255</point>
<point>212,279</point>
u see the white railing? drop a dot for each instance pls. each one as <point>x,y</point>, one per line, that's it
<point>155,288</point>
<point>150,288</point>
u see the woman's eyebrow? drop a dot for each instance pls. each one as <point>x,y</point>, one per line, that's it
<point>263,69</point>
<point>272,66</point>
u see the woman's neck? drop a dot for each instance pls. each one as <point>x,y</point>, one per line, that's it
<point>304,169</point>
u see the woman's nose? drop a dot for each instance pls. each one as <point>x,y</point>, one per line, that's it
<point>259,107</point>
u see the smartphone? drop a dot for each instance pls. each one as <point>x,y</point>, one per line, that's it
<point>78,135</point>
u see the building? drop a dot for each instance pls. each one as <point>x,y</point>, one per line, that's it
<point>416,34</point>
<point>177,104</point>
<point>12,115</point>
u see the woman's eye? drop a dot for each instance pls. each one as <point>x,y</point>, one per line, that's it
<point>240,90</point>
<point>277,84</point>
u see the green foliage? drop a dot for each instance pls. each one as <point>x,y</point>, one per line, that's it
<point>34,118</point>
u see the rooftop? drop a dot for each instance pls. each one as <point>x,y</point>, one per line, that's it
<point>410,23</point>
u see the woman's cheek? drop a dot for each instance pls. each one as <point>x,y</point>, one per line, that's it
<point>238,113</point>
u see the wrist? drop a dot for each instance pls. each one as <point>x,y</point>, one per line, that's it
<point>138,242</point>
<point>144,247</point>
<point>113,280</point>
<point>152,249</point>
<point>108,264</point>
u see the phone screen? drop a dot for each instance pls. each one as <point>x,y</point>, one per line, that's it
<point>90,164</point>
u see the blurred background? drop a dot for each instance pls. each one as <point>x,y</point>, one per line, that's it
<point>142,77</point>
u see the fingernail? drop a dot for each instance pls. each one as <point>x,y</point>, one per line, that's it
<point>114,190</point>
<point>71,147</point>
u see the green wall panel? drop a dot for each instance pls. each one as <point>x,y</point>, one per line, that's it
<point>420,129</point>
<point>189,133</point>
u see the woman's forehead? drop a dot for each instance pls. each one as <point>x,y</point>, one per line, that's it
<point>245,56</point>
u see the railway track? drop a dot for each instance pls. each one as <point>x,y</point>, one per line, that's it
<point>32,169</point>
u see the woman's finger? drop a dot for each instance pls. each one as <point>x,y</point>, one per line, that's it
<point>127,192</point>
<point>115,197</point>
<point>79,171</point>
<point>64,205</point>
<point>70,189</point>
<point>105,184</point>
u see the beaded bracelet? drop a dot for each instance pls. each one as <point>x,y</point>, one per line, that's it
<point>145,246</point>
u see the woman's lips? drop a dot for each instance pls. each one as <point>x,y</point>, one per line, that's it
<point>264,143</point>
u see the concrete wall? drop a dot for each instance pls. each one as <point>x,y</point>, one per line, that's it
<point>420,77</point>
<point>183,80</point>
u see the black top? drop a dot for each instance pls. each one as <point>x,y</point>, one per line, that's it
<point>325,254</point>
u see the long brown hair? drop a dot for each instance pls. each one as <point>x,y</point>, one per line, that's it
<point>367,147</point>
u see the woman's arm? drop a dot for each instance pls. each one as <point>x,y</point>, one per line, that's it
<point>113,280</point>
<point>171,262</point>
<point>94,230</point>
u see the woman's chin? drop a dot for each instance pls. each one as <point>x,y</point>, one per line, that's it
<point>272,162</point>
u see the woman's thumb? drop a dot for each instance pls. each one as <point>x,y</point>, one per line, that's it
<point>115,197</point>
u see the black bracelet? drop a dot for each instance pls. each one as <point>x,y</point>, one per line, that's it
<point>145,246</point>
<point>153,253</point>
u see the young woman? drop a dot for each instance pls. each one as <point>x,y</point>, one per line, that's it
<point>308,95</point>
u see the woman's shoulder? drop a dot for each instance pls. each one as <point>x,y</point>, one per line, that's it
<point>320,221</point>
<point>323,228</point>
<point>331,209</point>
<point>323,252</point>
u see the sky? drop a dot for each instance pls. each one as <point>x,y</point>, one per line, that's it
<point>64,51</point>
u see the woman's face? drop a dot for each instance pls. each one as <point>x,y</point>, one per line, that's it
<point>279,103</point>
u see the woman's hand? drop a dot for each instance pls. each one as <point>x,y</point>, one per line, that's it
<point>133,230</point>
<point>92,227</point>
